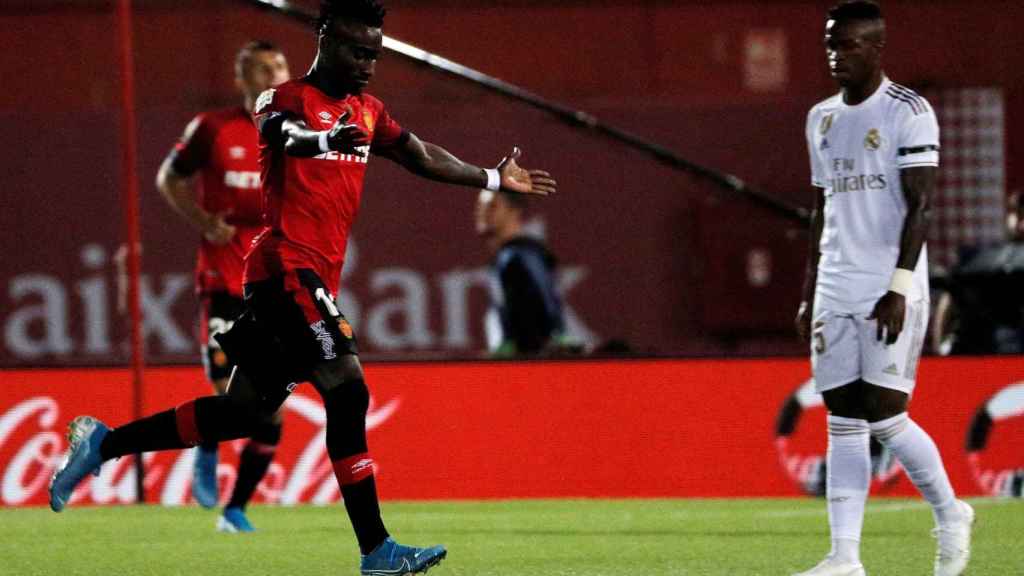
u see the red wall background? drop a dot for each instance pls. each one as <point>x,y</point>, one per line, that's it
<point>692,428</point>
<point>662,257</point>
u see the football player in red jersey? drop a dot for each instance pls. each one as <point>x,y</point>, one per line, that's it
<point>212,179</point>
<point>316,136</point>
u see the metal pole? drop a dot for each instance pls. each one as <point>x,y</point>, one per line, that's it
<point>130,204</point>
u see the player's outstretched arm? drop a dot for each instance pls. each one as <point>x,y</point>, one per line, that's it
<point>434,162</point>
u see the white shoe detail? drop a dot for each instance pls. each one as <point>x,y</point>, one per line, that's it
<point>226,527</point>
<point>405,568</point>
<point>831,567</point>
<point>954,543</point>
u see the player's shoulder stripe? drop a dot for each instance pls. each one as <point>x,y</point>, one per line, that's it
<point>912,94</point>
<point>905,90</point>
<point>918,104</point>
<point>913,104</point>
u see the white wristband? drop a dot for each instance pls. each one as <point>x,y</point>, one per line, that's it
<point>493,179</point>
<point>902,280</point>
<point>322,141</point>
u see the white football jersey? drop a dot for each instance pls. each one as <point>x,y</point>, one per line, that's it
<point>856,156</point>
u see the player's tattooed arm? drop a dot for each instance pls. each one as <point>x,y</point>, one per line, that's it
<point>803,314</point>
<point>918,185</point>
<point>295,137</point>
<point>434,162</point>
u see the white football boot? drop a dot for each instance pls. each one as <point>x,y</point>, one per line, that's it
<point>954,543</point>
<point>832,567</point>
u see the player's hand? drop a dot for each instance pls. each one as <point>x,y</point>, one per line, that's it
<point>516,179</point>
<point>347,138</point>
<point>218,232</point>
<point>888,313</point>
<point>803,321</point>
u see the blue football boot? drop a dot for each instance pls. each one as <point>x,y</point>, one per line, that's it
<point>393,559</point>
<point>233,521</point>
<point>85,434</point>
<point>204,477</point>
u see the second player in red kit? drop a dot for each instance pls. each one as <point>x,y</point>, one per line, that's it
<point>318,134</point>
<point>212,179</point>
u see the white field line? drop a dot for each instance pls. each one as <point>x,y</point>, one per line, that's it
<point>886,507</point>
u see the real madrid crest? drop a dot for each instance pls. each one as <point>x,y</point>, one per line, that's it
<point>873,140</point>
<point>826,123</point>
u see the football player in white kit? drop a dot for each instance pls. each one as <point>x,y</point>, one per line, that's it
<point>874,151</point>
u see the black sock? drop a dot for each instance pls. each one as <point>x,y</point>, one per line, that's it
<point>156,432</point>
<point>364,512</point>
<point>254,462</point>
<point>346,406</point>
<point>252,465</point>
<point>211,418</point>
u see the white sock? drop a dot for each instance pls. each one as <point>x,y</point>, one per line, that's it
<point>916,451</point>
<point>849,478</point>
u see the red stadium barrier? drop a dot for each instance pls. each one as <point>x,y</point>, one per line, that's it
<point>644,428</point>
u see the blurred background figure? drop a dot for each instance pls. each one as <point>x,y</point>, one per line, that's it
<point>525,314</point>
<point>212,179</point>
<point>978,304</point>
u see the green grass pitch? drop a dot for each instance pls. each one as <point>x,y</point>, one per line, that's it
<point>534,538</point>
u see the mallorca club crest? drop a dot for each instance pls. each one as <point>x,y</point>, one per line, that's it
<point>345,328</point>
<point>873,140</point>
<point>368,119</point>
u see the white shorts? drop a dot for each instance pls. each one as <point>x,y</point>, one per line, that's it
<point>845,348</point>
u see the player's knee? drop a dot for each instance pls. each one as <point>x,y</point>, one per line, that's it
<point>839,426</point>
<point>213,419</point>
<point>267,432</point>
<point>349,400</point>
<point>887,429</point>
<point>346,402</point>
<point>342,387</point>
<point>337,373</point>
<point>244,392</point>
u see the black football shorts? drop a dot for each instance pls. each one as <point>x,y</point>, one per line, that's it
<point>290,325</point>
<point>217,313</point>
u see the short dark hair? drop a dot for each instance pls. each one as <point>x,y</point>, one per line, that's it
<point>855,10</point>
<point>246,52</point>
<point>368,12</point>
